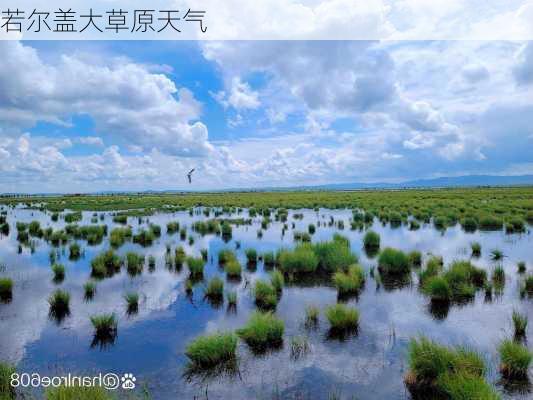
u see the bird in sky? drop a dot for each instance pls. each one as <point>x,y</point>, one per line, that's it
<point>189,175</point>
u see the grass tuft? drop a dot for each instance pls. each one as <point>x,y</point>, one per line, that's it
<point>262,331</point>
<point>212,350</point>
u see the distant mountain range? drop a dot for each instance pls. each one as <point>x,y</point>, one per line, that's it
<point>443,182</point>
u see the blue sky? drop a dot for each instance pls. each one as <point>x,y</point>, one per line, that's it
<point>89,116</point>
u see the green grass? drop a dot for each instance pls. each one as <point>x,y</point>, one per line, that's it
<point>6,289</point>
<point>521,267</point>
<point>196,267</point>
<point>476,249</point>
<point>438,288</point>
<point>371,240</point>
<point>269,259</point>
<point>300,260</point>
<point>233,269</point>
<point>118,236</point>
<point>349,282</point>
<point>262,331</point>
<point>106,264</point>
<point>89,289</point>
<point>104,324</point>
<point>498,275</point>
<point>496,255</point>
<point>144,237</point>
<point>232,299</point>
<point>515,359</point>
<point>212,350</point>
<point>430,364</point>
<point>464,386</point>
<point>519,323</point>
<point>59,302</point>
<point>7,392</point>
<point>415,258</point>
<point>251,256</point>
<point>77,393</point>
<point>299,347</point>
<point>393,262</point>
<point>266,295</point>
<point>335,255</point>
<point>342,318</point>
<point>132,302</point>
<point>59,272</point>
<point>74,251</point>
<point>277,280</point>
<point>215,289</point>
<point>134,263</point>
<point>311,316</point>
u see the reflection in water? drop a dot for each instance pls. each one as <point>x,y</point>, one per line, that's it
<point>367,363</point>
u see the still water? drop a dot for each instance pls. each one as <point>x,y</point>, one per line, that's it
<point>151,343</point>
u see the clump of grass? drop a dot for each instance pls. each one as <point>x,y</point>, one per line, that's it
<point>77,393</point>
<point>311,228</point>
<point>6,289</point>
<point>144,237</point>
<point>464,386</point>
<point>269,259</point>
<point>225,255</point>
<point>393,262</point>
<point>349,282</point>
<point>203,253</point>
<point>299,347</point>
<point>521,267</point>
<point>134,263</point>
<point>311,316</point>
<point>262,331</point>
<point>496,254</point>
<point>371,240</point>
<point>89,289</point>
<point>335,255</point>
<point>277,280</point>
<point>498,276</point>
<point>74,251</point>
<point>233,269</point>
<point>215,289</point>
<point>105,325</point>
<point>118,236</point>
<point>106,264</point>
<point>196,267</point>
<point>251,255</point>
<point>232,299</point>
<point>520,324</point>
<point>415,258</point>
<point>212,350</point>
<point>476,249</point>
<point>266,296</point>
<point>59,272</point>
<point>132,302</point>
<point>7,391</point>
<point>515,359</point>
<point>59,303</point>
<point>179,257</point>
<point>342,318</point>
<point>173,227</point>
<point>431,366</point>
<point>301,260</point>
<point>438,289</point>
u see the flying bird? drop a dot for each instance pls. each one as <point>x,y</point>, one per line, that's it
<point>189,175</point>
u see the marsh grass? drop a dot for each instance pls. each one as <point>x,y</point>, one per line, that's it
<point>89,290</point>
<point>262,332</point>
<point>393,262</point>
<point>431,366</point>
<point>7,391</point>
<point>269,259</point>
<point>342,319</point>
<point>415,258</point>
<point>464,386</point>
<point>6,289</point>
<point>105,329</point>
<point>74,251</point>
<point>144,237</point>
<point>132,302</point>
<point>266,295</point>
<point>496,254</point>
<point>251,256</point>
<point>311,316</point>
<point>209,351</point>
<point>196,267</point>
<point>515,359</point>
<point>77,393</point>
<point>233,269</point>
<point>232,299</point>
<point>134,263</point>
<point>119,236</point>
<point>299,347</point>
<point>371,240</point>
<point>349,282</point>
<point>520,324</point>
<point>476,249</point>
<point>106,264</point>
<point>59,272</point>
<point>59,303</point>
<point>521,267</point>
<point>498,276</point>
<point>300,260</point>
<point>334,255</point>
<point>214,291</point>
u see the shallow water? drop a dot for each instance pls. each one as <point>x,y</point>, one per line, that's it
<point>367,365</point>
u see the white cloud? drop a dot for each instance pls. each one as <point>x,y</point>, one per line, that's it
<point>91,140</point>
<point>523,70</point>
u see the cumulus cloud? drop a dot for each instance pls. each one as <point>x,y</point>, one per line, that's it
<point>123,98</point>
<point>91,140</point>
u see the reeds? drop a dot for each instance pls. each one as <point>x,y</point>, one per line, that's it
<point>342,318</point>
<point>349,282</point>
<point>132,302</point>
<point>59,272</point>
<point>59,303</point>
<point>105,327</point>
<point>89,289</point>
<point>515,359</point>
<point>266,296</point>
<point>371,240</point>
<point>277,280</point>
<point>520,324</point>
<point>196,267</point>
<point>393,262</point>
<point>215,289</point>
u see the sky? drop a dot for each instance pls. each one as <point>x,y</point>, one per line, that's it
<point>88,116</point>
